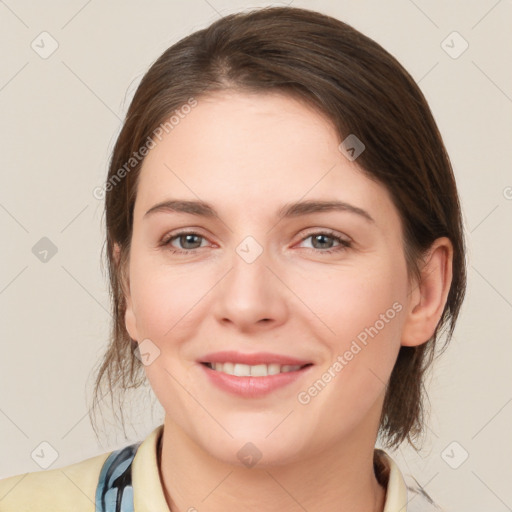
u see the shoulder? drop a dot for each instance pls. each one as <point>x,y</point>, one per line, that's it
<point>74,487</point>
<point>71,487</point>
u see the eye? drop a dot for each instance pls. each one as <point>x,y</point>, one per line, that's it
<point>189,241</point>
<point>320,242</point>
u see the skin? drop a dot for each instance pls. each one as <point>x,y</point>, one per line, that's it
<point>247,155</point>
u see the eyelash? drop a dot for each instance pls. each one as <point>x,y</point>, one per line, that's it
<point>343,244</point>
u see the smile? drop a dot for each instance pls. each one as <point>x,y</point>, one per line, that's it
<point>257,370</point>
<point>252,375</point>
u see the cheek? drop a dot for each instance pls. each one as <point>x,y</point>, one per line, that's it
<point>366,315</point>
<point>166,303</point>
<point>349,300</point>
<point>363,311</point>
<point>164,299</point>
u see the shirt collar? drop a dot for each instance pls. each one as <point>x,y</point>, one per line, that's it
<point>149,494</point>
<point>396,489</point>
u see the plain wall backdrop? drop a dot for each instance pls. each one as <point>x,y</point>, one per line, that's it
<point>68,72</point>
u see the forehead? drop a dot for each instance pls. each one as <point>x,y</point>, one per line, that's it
<point>258,150</point>
<point>233,127</point>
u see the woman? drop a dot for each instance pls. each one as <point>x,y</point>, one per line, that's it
<point>285,245</point>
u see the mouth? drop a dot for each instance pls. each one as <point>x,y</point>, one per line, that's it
<point>257,370</point>
<point>252,375</point>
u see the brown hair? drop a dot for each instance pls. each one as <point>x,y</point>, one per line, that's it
<point>364,91</point>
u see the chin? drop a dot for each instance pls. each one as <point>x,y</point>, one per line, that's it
<point>254,442</point>
<point>257,454</point>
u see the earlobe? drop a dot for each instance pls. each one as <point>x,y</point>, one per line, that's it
<point>428,298</point>
<point>130,321</point>
<point>129,315</point>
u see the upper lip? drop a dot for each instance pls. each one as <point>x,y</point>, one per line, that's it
<point>232,356</point>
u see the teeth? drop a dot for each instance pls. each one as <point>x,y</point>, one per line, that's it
<point>240,370</point>
<point>228,367</point>
<point>258,370</point>
<point>273,369</point>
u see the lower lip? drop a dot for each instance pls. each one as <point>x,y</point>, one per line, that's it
<point>252,387</point>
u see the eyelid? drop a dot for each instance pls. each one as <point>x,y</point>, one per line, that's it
<point>311,231</point>
<point>326,231</point>
<point>343,243</point>
<point>165,240</point>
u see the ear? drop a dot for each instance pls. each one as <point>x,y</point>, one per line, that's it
<point>427,299</point>
<point>129,316</point>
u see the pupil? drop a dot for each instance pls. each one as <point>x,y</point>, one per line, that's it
<point>320,237</point>
<point>188,238</point>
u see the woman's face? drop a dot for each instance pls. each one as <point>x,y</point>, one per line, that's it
<point>249,270</point>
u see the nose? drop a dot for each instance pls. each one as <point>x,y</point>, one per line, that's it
<point>252,295</point>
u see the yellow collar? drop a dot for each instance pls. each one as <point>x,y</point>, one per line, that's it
<point>145,476</point>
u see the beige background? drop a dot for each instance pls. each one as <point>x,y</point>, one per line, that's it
<point>59,119</point>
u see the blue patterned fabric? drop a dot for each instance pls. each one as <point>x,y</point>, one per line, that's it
<point>114,492</point>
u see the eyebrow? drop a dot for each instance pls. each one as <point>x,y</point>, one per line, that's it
<point>290,210</point>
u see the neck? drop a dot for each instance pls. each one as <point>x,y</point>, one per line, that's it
<point>341,479</point>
